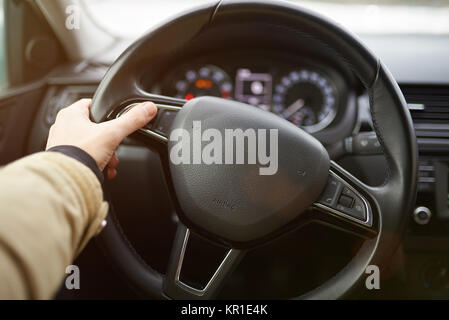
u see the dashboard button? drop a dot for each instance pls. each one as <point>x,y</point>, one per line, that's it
<point>422,215</point>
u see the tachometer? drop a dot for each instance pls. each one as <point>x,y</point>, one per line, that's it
<point>306,98</point>
<point>208,80</point>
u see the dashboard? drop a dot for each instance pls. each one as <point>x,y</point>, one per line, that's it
<point>309,94</point>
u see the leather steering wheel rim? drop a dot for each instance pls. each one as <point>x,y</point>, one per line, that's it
<point>390,115</point>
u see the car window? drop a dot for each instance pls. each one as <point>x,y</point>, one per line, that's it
<point>3,70</point>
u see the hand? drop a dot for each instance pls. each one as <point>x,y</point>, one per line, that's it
<point>99,140</point>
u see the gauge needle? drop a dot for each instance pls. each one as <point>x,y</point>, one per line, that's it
<point>295,106</point>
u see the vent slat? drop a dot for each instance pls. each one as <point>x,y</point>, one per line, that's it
<point>429,115</point>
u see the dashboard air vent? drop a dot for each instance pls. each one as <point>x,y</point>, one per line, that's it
<point>429,107</point>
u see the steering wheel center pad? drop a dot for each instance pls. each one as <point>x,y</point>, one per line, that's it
<point>242,202</point>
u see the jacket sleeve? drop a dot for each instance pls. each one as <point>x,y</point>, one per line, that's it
<point>50,207</point>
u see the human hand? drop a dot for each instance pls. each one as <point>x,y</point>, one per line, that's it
<point>100,140</point>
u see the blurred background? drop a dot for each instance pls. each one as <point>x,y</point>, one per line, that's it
<point>131,18</point>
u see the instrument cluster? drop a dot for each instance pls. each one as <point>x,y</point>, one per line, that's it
<point>303,93</point>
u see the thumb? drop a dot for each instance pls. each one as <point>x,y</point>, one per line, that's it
<point>134,119</point>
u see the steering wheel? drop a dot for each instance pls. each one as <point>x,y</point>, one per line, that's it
<point>235,206</point>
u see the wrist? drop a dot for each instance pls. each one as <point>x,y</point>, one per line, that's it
<point>80,155</point>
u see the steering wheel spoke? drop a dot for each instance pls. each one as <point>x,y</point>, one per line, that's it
<point>159,128</point>
<point>175,288</point>
<point>346,204</point>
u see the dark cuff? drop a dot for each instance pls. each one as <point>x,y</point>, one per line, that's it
<point>82,156</point>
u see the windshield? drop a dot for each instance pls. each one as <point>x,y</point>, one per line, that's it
<point>131,18</point>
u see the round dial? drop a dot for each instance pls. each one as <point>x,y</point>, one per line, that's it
<point>306,98</point>
<point>208,80</point>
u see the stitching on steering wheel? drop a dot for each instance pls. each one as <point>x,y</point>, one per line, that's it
<point>378,129</point>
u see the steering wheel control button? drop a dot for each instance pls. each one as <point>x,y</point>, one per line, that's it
<point>352,206</point>
<point>163,121</point>
<point>358,210</point>
<point>159,127</point>
<point>330,194</point>
<point>346,201</point>
<point>348,192</point>
<point>341,199</point>
<point>422,215</point>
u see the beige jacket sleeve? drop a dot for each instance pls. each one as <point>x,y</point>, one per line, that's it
<point>50,206</point>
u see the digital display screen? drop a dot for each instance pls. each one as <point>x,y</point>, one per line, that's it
<point>254,88</point>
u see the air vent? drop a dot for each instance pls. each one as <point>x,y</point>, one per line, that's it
<point>429,107</point>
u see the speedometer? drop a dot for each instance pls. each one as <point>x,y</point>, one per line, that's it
<point>207,80</point>
<point>306,98</point>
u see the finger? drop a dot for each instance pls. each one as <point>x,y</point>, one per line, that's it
<point>134,119</point>
<point>111,173</point>
<point>113,162</point>
<point>82,106</point>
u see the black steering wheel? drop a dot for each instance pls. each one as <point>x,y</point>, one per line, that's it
<point>233,205</point>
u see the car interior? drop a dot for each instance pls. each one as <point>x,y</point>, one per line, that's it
<point>364,181</point>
